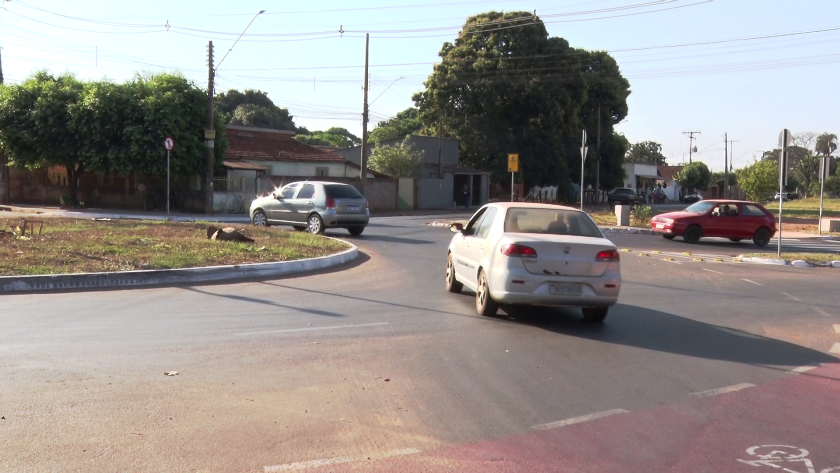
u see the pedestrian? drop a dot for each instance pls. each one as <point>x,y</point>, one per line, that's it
<point>466,197</point>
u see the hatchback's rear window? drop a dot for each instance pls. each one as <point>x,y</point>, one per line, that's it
<point>342,192</point>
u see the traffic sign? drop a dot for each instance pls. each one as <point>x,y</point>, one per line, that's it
<point>513,163</point>
<point>168,143</point>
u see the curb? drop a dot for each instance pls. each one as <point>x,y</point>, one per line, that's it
<point>17,284</point>
<point>631,230</point>
<point>796,263</point>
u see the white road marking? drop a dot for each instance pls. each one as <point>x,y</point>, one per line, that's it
<point>578,420</point>
<point>822,312</point>
<point>728,389</point>
<point>837,328</point>
<point>711,270</point>
<point>835,349</point>
<point>803,369</point>
<point>750,281</point>
<point>792,297</point>
<point>311,329</point>
<point>833,241</point>
<point>336,461</point>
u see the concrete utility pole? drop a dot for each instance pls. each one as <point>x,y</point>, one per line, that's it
<point>731,158</point>
<point>690,142</point>
<point>5,189</point>
<point>598,160</point>
<point>725,166</point>
<point>363,161</point>
<point>209,134</point>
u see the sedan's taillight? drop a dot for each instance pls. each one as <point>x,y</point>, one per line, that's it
<point>513,249</point>
<point>330,203</point>
<point>607,255</point>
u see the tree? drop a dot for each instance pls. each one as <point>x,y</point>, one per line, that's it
<point>399,160</point>
<point>504,86</point>
<point>718,178</point>
<point>826,145</point>
<point>760,179</point>
<point>808,171</point>
<point>404,123</point>
<point>253,108</point>
<point>694,175</point>
<point>334,137</point>
<point>645,152</point>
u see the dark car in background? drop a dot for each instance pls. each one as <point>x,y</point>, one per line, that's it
<point>733,219</point>
<point>692,197</point>
<point>624,196</point>
<point>313,206</point>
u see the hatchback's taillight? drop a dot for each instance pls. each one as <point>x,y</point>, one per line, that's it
<point>330,203</point>
<point>607,255</point>
<point>513,249</point>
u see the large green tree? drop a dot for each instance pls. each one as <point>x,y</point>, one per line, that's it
<point>504,86</point>
<point>826,145</point>
<point>404,123</point>
<point>694,175</point>
<point>399,160</point>
<point>253,108</point>
<point>759,180</point>
<point>334,137</point>
<point>645,152</point>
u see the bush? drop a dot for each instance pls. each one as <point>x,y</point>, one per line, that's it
<point>68,201</point>
<point>641,215</point>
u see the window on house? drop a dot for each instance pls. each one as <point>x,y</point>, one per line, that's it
<point>322,171</point>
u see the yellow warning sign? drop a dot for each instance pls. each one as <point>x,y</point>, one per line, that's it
<point>513,163</point>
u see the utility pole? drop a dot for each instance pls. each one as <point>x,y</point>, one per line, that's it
<point>440,145</point>
<point>5,189</point>
<point>363,161</point>
<point>725,165</point>
<point>598,160</point>
<point>690,142</point>
<point>209,134</point>
<point>731,158</point>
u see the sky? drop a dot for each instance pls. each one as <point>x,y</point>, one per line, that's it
<point>742,69</point>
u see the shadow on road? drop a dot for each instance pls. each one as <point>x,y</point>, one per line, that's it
<point>389,239</point>
<point>254,300</point>
<point>660,331</point>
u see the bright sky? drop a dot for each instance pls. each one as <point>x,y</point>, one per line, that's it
<point>748,68</point>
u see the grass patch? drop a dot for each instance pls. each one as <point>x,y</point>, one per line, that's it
<point>806,208</point>
<point>88,246</point>
<point>813,258</point>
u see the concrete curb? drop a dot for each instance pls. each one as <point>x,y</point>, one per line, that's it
<point>796,263</point>
<point>631,230</point>
<point>18,284</point>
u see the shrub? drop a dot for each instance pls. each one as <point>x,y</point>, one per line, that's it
<point>641,215</point>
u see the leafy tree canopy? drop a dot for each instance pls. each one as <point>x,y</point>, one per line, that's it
<point>826,144</point>
<point>760,180</point>
<point>399,160</point>
<point>404,123</point>
<point>718,178</point>
<point>504,86</point>
<point>253,108</point>
<point>645,152</point>
<point>694,175</point>
<point>334,137</point>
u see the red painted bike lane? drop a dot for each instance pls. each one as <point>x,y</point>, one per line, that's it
<point>788,425</point>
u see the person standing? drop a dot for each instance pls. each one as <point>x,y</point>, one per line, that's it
<point>466,197</point>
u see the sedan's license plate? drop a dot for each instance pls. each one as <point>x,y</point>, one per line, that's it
<point>352,207</point>
<point>660,225</point>
<point>564,289</point>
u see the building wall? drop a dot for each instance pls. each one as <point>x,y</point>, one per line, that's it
<point>407,193</point>
<point>435,193</point>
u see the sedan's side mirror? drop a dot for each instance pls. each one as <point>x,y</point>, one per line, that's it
<point>278,196</point>
<point>456,227</point>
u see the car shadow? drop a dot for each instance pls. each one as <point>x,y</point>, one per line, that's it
<point>254,300</point>
<point>649,329</point>
<point>389,239</point>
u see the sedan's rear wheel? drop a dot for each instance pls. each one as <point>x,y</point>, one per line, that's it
<point>594,314</point>
<point>692,234</point>
<point>259,219</point>
<point>668,236</point>
<point>452,284</point>
<point>761,237</point>
<point>356,231</point>
<point>484,303</point>
<point>315,224</point>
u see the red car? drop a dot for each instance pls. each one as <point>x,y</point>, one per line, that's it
<point>734,219</point>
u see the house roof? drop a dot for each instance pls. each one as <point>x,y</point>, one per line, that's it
<point>668,172</point>
<point>262,144</point>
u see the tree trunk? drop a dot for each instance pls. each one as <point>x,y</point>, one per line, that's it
<point>5,190</point>
<point>73,173</point>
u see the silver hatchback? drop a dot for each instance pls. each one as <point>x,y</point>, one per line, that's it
<point>313,206</point>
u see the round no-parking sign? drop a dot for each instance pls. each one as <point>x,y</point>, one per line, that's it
<point>168,143</point>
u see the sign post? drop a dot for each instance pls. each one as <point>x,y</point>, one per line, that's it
<point>168,143</point>
<point>825,165</point>
<point>513,167</point>
<point>583,150</point>
<point>784,140</point>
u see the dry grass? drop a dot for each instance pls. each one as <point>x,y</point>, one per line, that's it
<point>85,246</point>
<point>813,258</point>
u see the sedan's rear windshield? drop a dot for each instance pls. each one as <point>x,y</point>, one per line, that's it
<point>700,207</point>
<point>552,221</point>
<point>342,192</point>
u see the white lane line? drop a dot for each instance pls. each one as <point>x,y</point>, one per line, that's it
<point>803,369</point>
<point>833,241</point>
<point>792,297</point>
<point>711,270</point>
<point>728,389</point>
<point>835,349</point>
<point>822,312</point>
<point>311,329</point>
<point>578,420</point>
<point>336,461</point>
<point>837,328</point>
<point>750,281</point>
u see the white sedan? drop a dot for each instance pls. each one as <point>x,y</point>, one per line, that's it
<point>534,254</point>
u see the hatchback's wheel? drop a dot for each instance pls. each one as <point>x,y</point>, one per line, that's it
<point>594,314</point>
<point>484,303</point>
<point>259,219</point>
<point>692,234</point>
<point>735,240</point>
<point>356,231</point>
<point>315,224</point>
<point>452,284</point>
<point>761,237</point>
<point>668,236</point>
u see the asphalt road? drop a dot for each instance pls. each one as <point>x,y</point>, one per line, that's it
<point>722,246</point>
<point>374,367</point>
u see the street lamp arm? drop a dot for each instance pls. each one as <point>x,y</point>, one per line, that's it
<point>237,39</point>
